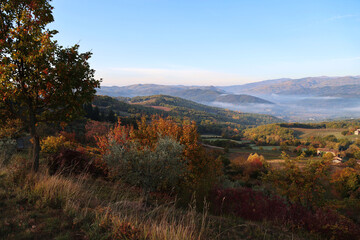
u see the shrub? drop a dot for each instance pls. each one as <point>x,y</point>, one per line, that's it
<point>68,161</point>
<point>332,225</point>
<point>114,228</point>
<point>69,136</point>
<point>346,181</point>
<point>53,144</point>
<point>247,204</point>
<point>7,149</point>
<point>255,165</point>
<point>251,205</point>
<point>10,128</point>
<point>160,169</point>
<point>351,163</point>
<point>357,155</point>
<point>252,167</point>
<point>305,186</point>
<point>95,129</point>
<point>202,169</point>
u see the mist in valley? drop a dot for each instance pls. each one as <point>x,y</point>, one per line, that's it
<point>301,108</point>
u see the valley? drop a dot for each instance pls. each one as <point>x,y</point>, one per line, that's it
<point>308,99</point>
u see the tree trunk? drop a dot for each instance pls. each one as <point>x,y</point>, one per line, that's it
<point>35,143</point>
<point>36,153</point>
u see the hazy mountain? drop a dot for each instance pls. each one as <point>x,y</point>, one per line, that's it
<point>207,94</point>
<point>313,86</point>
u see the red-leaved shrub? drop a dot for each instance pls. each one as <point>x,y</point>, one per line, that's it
<point>256,206</point>
<point>69,136</point>
<point>67,161</point>
<point>95,129</point>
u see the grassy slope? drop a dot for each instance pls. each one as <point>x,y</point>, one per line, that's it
<point>56,207</point>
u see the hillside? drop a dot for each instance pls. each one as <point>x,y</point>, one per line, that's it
<point>205,94</point>
<point>208,118</point>
<point>200,112</point>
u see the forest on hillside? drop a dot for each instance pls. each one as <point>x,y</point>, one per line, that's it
<point>210,120</point>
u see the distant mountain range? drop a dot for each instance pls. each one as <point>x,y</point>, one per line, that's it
<point>206,95</point>
<point>311,86</point>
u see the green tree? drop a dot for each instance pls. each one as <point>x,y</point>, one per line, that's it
<point>111,116</point>
<point>40,81</point>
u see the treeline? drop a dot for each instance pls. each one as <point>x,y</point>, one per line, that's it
<point>210,120</point>
<point>272,134</point>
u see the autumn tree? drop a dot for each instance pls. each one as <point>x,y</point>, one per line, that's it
<point>40,81</point>
<point>346,182</point>
<point>302,186</point>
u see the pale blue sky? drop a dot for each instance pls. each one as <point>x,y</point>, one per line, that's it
<point>206,42</point>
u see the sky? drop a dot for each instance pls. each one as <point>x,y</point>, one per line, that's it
<point>208,42</point>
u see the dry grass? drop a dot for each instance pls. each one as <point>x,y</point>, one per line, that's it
<point>104,210</point>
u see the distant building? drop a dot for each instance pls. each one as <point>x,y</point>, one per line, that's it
<point>357,132</point>
<point>337,160</point>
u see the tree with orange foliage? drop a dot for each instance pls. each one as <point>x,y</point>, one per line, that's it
<point>95,129</point>
<point>254,166</point>
<point>119,134</point>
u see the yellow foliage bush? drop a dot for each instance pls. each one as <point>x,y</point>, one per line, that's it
<point>53,144</point>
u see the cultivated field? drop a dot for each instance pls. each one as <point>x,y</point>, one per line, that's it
<point>303,133</point>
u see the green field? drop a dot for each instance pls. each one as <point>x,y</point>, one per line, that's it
<point>210,136</point>
<point>265,148</point>
<point>303,133</point>
<point>268,154</point>
<point>225,139</point>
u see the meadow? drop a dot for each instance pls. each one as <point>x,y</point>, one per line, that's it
<point>303,133</point>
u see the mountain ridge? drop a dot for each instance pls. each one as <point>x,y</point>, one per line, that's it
<point>319,86</point>
<point>200,94</point>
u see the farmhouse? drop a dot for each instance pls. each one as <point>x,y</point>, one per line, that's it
<point>321,151</point>
<point>337,160</point>
<point>357,131</point>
